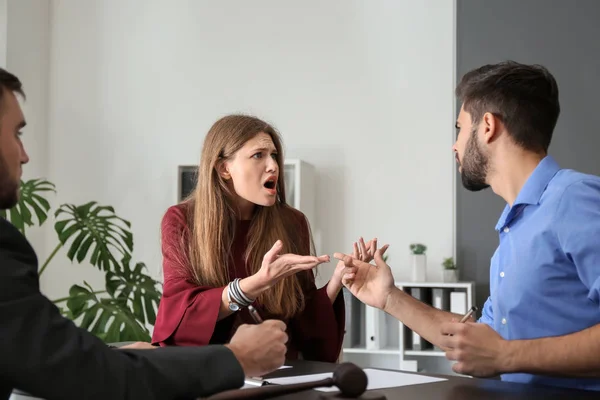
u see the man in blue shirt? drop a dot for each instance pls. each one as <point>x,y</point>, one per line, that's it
<point>541,322</point>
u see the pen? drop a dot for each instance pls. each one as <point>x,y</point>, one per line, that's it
<point>468,314</point>
<point>255,315</point>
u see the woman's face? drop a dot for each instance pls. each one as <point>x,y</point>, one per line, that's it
<point>252,173</point>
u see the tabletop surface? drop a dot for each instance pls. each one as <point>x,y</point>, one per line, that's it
<point>454,387</point>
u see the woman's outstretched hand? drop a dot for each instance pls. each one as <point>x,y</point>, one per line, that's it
<point>276,266</point>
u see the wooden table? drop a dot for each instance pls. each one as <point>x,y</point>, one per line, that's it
<point>454,388</point>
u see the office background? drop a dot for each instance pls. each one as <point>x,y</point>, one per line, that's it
<point>127,90</point>
<point>121,92</point>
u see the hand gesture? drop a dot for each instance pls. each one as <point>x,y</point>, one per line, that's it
<point>475,347</point>
<point>261,348</point>
<point>366,252</point>
<point>275,267</point>
<point>360,251</point>
<point>371,284</point>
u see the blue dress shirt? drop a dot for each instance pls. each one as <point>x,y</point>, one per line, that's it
<point>545,273</point>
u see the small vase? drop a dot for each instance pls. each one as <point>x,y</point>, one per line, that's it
<point>419,267</point>
<point>450,275</point>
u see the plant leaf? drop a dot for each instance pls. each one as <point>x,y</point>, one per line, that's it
<point>31,201</point>
<point>107,318</point>
<point>136,288</point>
<point>89,224</point>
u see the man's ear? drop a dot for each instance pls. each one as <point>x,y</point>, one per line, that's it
<point>223,169</point>
<point>491,127</point>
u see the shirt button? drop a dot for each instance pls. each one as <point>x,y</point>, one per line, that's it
<point>502,274</point>
<point>503,321</point>
<point>506,229</point>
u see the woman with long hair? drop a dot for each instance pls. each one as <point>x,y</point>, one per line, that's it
<point>235,241</point>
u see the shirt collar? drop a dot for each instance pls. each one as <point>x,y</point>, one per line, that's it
<point>534,187</point>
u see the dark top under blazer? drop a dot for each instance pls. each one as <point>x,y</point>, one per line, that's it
<point>46,355</point>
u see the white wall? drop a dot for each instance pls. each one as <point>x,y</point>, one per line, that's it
<point>27,56</point>
<point>25,36</point>
<point>361,90</point>
<point>3,28</point>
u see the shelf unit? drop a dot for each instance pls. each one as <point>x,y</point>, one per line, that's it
<point>300,186</point>
<point>376,339</point>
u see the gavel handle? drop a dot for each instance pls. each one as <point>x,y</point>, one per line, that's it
<point>267,391</point>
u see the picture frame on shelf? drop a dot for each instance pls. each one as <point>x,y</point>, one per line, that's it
<point>187,176</point>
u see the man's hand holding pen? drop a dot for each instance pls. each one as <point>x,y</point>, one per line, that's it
<point>260,348</point>
<point>477,349</point>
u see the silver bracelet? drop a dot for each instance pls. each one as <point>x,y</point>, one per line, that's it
<point>241,292</point>
<point>233,305</point>
<point>236,293</point>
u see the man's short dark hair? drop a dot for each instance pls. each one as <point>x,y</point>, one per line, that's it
<point>524,97</point>
<point>11,83</point>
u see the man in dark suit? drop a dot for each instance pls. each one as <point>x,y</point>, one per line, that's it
<point>47,356</point>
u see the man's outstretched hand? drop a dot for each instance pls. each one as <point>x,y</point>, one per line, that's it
<point>371,284</point>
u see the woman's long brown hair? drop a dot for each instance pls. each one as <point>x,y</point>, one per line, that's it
<point>213,219</point>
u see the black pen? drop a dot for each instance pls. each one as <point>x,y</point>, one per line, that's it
<point>258,319</point>
<point>255,315</point>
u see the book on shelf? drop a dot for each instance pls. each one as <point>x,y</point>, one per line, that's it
<point>440,299</point>
<point>376,330</point>
<point>355,321</point>
<point>416,341</point>
<point>458,302</point>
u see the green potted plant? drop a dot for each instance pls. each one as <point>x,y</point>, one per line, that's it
<point>92,233</point>
<point>450,270</point>
<point>418,262</point>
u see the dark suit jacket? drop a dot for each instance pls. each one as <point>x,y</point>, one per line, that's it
<point>46,355</point>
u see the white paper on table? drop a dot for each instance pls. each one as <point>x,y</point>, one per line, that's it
<point>257,382</point>
<point>378,379</point>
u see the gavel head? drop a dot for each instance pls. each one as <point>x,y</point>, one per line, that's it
<point>350,379</point>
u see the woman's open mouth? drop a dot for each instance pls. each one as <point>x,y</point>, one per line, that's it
<point>271,185</point>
